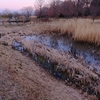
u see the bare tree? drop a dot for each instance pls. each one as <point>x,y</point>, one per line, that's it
<point>95,8</point>
<point>27,12</point>
<point>16,16</point>
<point>45,11</point>
<point>7,14</point>
<point>68,8</point>
<point>54,6</point>
<point>39,5</point>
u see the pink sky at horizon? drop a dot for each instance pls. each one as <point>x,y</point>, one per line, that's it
<point>15,4</point>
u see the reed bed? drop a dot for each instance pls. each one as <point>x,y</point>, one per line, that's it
<point>80,29</point>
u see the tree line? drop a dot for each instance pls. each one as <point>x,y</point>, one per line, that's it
<point>69,8</point>
<point>56,9</point>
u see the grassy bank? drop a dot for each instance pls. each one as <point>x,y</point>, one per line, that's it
<point>80,29</point>
<point>73,72</point>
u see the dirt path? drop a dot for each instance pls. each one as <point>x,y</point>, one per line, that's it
<point>23,79</point>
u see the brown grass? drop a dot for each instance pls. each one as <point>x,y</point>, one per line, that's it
<point>71,68</point>
<point>81,29</point>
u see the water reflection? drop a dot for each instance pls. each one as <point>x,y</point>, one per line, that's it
<point>89,52</point>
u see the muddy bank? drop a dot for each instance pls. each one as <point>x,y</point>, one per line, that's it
<point>63,66</point>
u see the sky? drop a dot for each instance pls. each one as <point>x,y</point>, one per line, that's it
<point>15,4</point>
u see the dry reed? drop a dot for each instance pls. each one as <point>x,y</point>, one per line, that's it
<point>80,29</point>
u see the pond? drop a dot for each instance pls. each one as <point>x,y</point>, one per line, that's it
<point>89,52</point>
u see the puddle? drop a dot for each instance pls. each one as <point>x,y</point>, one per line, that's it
<point>89,52</point>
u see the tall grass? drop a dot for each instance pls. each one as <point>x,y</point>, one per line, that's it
<point>80,29</point>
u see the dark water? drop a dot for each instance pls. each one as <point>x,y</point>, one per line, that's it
<point>89,52</point>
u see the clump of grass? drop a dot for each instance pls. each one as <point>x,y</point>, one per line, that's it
<point>80,29</point>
